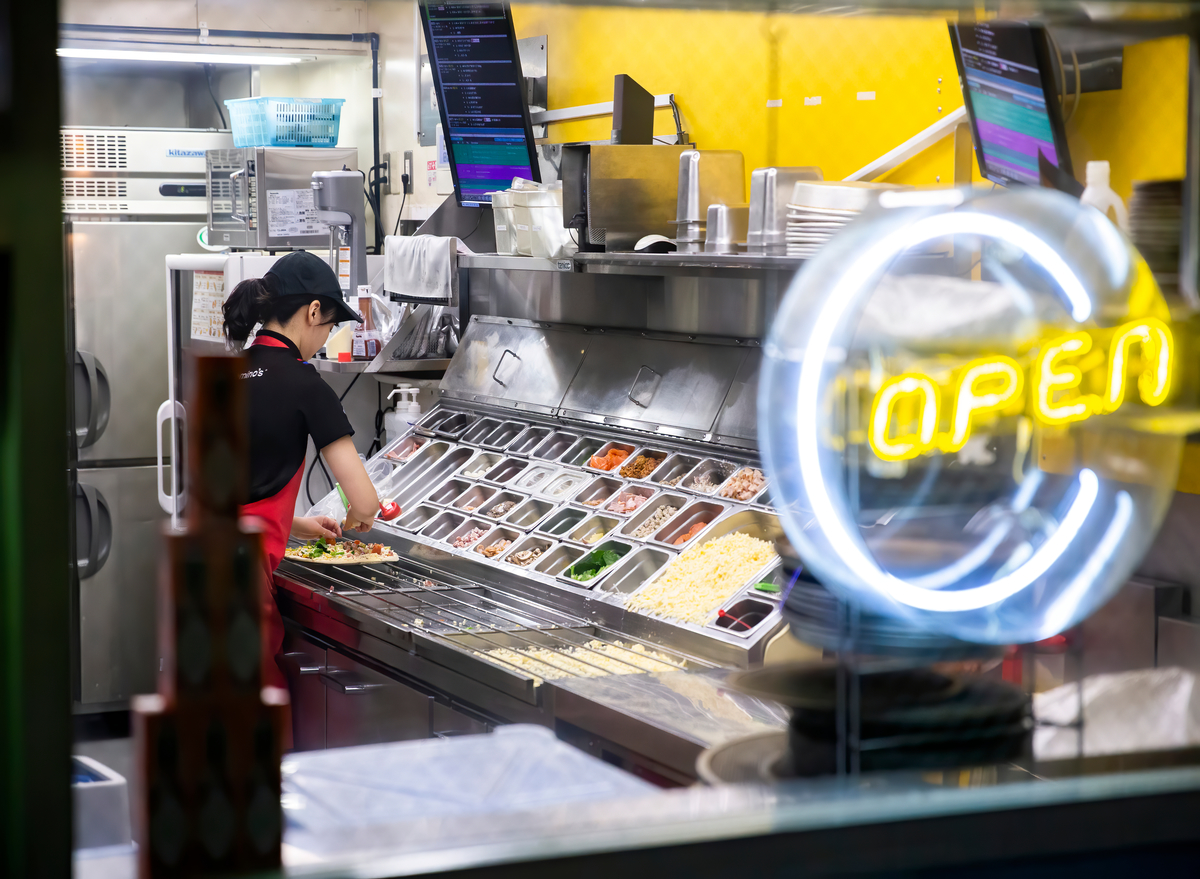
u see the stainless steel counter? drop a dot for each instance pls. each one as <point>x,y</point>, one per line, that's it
<point>433,619</point>
<point>504,461</point>
<point>655,724</point>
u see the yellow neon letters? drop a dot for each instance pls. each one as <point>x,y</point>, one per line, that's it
<point>1155,381</point>
<point>1050,377</point>
<point>996,385</point>
<point>906,445</point>
<point>986,385</point>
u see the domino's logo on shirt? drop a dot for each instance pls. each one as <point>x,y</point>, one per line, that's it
<point>254,373</point>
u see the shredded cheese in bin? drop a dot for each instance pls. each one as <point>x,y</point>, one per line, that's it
<point>701,579</point>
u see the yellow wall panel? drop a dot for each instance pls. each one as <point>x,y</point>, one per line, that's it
<point>933,167</point>
<point>712,61</point>
<point>724,67</point>
<point>721,66</point>
<point>899,59</point>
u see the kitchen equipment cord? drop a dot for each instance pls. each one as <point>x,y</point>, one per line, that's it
<point>476,229</point>
<point>376,445</point>
<point>208,72</point>
<point>400,213</point>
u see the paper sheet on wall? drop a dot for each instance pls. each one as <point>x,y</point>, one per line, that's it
<point>208,295</point>
<point>292,212</point>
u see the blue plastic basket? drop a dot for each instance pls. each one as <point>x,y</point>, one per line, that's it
<point>285,122</point>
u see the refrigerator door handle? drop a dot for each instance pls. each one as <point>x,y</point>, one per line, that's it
<point>98,399</point>
<point>98,548</point>
<point>171,503</point>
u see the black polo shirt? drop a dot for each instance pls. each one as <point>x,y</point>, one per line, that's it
<point>289,402</point>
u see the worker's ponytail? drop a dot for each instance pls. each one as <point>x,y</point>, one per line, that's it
<point>245,307</point>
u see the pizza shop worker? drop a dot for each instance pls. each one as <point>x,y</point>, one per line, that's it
<point>297,302</point>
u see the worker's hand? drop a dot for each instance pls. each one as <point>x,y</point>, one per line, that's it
<point>312,527</point>
<point>356,522</point>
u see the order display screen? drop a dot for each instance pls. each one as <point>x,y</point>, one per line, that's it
<point>1014,116</point>
<point>481,97</point>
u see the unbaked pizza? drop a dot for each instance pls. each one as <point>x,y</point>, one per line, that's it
<point>341,552</point>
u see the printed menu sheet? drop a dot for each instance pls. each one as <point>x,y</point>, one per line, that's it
<point>208,295</point>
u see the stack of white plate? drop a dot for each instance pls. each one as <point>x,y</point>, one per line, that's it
<point>819,209</point>
<point>1156,227</point>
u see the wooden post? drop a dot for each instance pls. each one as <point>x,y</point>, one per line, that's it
<point>209,743</point>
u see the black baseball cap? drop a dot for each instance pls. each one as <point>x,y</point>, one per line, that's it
<point>304,275</point>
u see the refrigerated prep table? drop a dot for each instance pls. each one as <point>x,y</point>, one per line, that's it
<point>504,499</point>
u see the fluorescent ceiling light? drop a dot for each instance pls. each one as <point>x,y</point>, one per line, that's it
<point>178,57</point>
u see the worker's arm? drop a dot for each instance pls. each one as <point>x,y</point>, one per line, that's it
<point>348,470</point>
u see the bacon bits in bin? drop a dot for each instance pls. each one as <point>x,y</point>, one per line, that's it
<point>641,466</point>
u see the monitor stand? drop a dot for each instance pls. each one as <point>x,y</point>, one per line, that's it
<point>474,227</point>
<point>1055,177</point>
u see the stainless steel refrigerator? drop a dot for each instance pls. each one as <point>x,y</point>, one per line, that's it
<point>131,197</point>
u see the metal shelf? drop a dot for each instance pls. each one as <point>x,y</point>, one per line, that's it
<point>607,261</point>
<point>635,263</point>
<point>335,366</point>
<point>390,367</point>
<point>514,263</point>
<point>440,364</point>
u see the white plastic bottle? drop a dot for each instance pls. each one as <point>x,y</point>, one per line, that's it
<point>1099,194</point>
<point>393,420</point>
<point>413,411</point>
<point>403,415</point>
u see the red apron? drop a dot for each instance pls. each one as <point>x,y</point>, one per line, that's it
<point>274,516</point>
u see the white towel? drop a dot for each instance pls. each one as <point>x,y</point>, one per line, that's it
<point>421,266</point>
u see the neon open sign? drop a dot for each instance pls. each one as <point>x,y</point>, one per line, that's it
<point>883,503</point>
<point>990,386</point>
